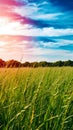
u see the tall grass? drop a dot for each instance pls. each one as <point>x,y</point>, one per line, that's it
<point>36,99</point>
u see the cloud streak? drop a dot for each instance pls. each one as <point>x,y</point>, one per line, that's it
<point>38,30</point>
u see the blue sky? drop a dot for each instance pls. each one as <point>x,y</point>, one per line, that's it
<point>40,30</point>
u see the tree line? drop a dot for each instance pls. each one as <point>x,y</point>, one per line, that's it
<point>14,63</point>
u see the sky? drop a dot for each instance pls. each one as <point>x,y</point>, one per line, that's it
<point>36,30</point>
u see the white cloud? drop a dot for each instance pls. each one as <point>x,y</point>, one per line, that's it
<point>2,44</point>
<point>47,16</point>
<point>39,54</point>
<point>26,10</point>
<point>13,28</point>
<point>57,32</point>
<point>33,10</point>
<point>16,28</point>
<point>3,21</point>
<point>33,53</point>
<point>54,45</point>
<point>63,42</point>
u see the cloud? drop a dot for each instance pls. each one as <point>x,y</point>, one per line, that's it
<point>48,16</point>
<point>11,2</point>
<point>57,32</point>
<point>58,44</point>
<point>15,28</point>
<point>36,51</point>
<point>31,10</point>
<point>38,30</point>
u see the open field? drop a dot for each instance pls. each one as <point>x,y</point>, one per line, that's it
<point>36,98</point>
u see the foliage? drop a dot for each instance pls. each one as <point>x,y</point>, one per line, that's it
<point>14,63</point>
<point>2,63</point>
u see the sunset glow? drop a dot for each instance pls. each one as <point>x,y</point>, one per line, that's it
<point>32,30</point>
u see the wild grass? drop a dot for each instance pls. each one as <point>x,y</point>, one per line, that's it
<point>36,98</point>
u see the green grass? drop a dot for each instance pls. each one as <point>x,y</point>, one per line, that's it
<point>36,99</point>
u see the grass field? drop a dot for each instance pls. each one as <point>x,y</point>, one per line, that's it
<point>36,98</point>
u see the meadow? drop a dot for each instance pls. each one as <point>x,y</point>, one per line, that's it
<point>36,98</point>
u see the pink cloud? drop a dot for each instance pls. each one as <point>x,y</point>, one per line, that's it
<point>18,38</point>
<point>6,8</point>
<point>11,2</point>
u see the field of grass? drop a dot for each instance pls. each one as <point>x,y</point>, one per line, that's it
<point>36,98</point>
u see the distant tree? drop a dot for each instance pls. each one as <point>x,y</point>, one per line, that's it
<point>50,64</point>
<point>34,64</point>
<point>26,64</point>
<point>13,63</point>
<point>43,64</point>
<point>2,63</point>
<point>58,63</point>
<point>68,63</point>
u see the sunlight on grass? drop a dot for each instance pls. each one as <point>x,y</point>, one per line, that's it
<point>36,98</point>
